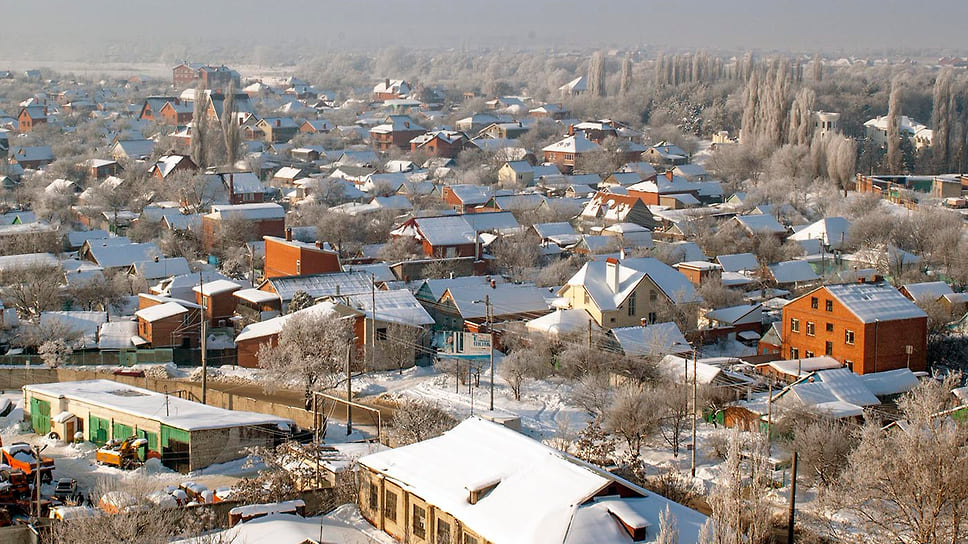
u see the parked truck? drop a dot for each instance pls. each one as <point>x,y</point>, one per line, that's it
<point>19,456</point>
<point>121,453</point>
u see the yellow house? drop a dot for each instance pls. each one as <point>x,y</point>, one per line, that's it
<point>625,293</point>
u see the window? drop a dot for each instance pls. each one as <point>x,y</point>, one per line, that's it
<point>653,296</point>
<point>468,539</point>
<point>653,317</point>
<point>849,337</point>
<point>381,334</point>
<point>794,324</point>
<point>808,354</point>
<point>828,348</point>
<point>814,302</point>
<point>632,304</point>
<point>587,298</point>
<point>390,506</point>
<point>830,327</point>
<point>829,305</point>
<point>811,328</point>
<point>374,496</point>
<point>850,364</point>
<point>794,353</point>
<point>419,522</point>
<point>443,532</point>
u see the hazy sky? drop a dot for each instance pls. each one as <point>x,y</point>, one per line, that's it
<point>805,25</point>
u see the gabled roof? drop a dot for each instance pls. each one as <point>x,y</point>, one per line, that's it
<point>737,315</point>
<point>160,311</point>
<point>578,143</point>
<point>793,272</point>
<point>738,262</point>
<point>322,285</point>
<point>162,268</point>
<point>562,322</point>
<point>506,299</point>
<point>652,340</point>
<point>471,195</point>
<point>832,231</point>
<point>252,212</point>
<point>593,277</point>
<point>394,305</point>
<point>115,256</point>
<point>757,224</point>
<point>135,149</point>
<point>928,291</point>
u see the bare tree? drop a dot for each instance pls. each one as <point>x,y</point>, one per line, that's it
<point>633,416</point>
<point>522,364</point>
<point>625,86</point>
<point>741,512</point>
<point>33,290</point>
<point>517,253</point>
<point>418,420</point>
<point>675,414</point>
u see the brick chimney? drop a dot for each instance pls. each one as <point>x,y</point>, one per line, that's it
<point>611,274</point>
<point>288,234</point>
<point>668,174</point>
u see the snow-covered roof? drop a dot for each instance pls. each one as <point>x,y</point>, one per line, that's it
<point>217,287</point>
<point>874,302</point>
<point>322,285</point>
<point>505,298</point>
<point>738,262</point>
<point>737,315</point>
<point>287,528</point>
<point>269,327</point>
<point>680,369</point>
<point>111,255</point>
<point>162,268</point>
<point>380,271</point>
<point>183,414</point>
<point>84,323</point>
<point>160,311</point>
<point>928,291</point>
<point>890,382</point>
<point>256,296</point>
<point>559,490</point>
<point>116,335</point>
<point>27,260</point>
<point>394,305</point>
<point>802,367</point>
<point>256,211</point>
<point>562,322</point>
<point>832,231</point>
<point>756,224</point>
<point>793,272</point>
<point>652,340</point>
<point>579,84</point>
<point>579,143</point>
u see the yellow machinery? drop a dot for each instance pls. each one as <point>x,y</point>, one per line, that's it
<point>121,453</point>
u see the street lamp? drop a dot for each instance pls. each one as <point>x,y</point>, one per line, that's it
<point>488,316</point>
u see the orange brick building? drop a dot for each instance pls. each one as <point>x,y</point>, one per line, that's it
<point>285,257</point>
<point>870,327</point>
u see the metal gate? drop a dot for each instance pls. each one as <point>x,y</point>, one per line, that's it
<point>40,415</point>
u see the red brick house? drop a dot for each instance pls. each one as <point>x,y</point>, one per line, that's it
<point>567,153</point>
<point>167,324</point>
<point>666,189</point>
<point>465,197</point>
<point>151,109</point>
<point>176,113</point>
<point>255,335</point>
<point>211,77</point>
<point>441,143</point>
<point>101,168</point>
<point>286,257</point>
<point>264,219</point>
<point>869,327</point>
<point>30,117</point>
<point>395,131</point>
<point>390,89</point>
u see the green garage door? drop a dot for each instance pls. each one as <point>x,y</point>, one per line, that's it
<point>152,443</point>
<point>98,430</point>
<point>175,448</point>
<point>122,432</point>
<point>40,415</point>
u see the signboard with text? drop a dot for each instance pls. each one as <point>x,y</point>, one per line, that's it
<point>462,344</point>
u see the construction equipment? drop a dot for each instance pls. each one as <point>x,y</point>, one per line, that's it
<point>19,456</point>
<point>121,453</point>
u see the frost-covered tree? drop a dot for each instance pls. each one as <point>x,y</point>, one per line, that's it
<point>909,482</point>
<point>199,143</point>
<point>231,133</point>
<point>626,83</point>
<point>668,532</point>
<point>596,75</point>
<point>633,416</point>
<point>741,512</point>
<point>312,349</point>
<point>416,420</point>
<point>895,156</point>
<point>941,120</point>
<point>300,301</point>
<point>801,117</point>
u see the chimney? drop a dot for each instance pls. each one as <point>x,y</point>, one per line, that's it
<point>644,322</point>
<point>386,84</point>
<point>319,245</point>
<point>668,174</point>
<point>288,234</point>
<point>493,284</point>
<point>231,185</point>
<point>611,273</point>
<point>278,122</point>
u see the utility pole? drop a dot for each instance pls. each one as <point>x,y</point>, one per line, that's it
<point>166,402</point>
<point>769,412</point>
<point>793,498</point>
<point>372,348</point>
<point>490,317</point>
<point>316,435</point>
<point>204,341</point>
<point>695,406</point>
<point>349,391</point>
